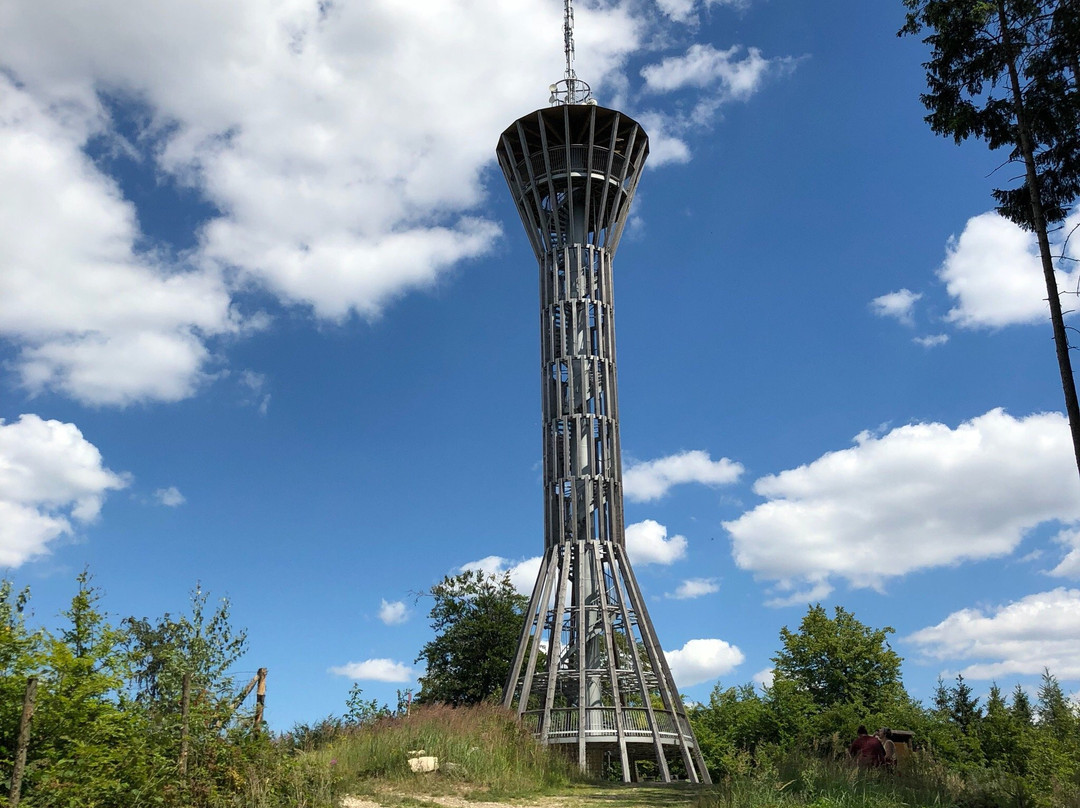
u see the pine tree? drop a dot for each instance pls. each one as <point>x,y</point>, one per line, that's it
<point>964,709</point>
<point>1000,734</point>
<point>1054,712</point>
<point>1021,707</point>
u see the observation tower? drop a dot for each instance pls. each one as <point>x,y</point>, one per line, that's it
<point>589,672</point>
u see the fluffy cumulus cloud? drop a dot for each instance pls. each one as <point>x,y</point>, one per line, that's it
<point>329,136</point>
<point>652,479</point>
<point>899,304</point>
<point>694,588</point>
<point>375,670</point>
<point>94,317</point>
<point>647,542</point>
<point>945,495</point>
<point>169,497</point>
<point>523,574</point>
<point>393,613</point>
<point>993,272</point>
<point>329,139</point>
<point>50,478</point>
<point>1022,637</point>
<point>701,660</point>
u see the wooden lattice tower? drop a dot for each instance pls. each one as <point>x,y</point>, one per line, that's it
<point>589,670</point>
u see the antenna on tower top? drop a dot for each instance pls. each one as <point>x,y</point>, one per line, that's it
<point>570,89</point>
<point>568,38</point>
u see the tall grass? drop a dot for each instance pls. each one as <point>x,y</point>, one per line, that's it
<point>479,748</point>
<point>807,781</point>
<point>482,750</point>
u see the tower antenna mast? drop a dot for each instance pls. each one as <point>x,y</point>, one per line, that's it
<point>568,39</point>
<point>570,89</point>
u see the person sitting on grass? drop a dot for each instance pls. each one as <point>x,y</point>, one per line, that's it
<point>885,736</point>
<point>866,749</point>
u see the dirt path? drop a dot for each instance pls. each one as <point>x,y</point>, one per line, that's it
<point>458,802</point>
<point>589,797</point>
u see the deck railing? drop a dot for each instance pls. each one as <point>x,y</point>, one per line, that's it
<point>601,721</point>
<point>579,162</point>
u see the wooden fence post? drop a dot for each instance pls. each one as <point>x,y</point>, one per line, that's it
<point>236,703</point>
<point>23,742</point>
<point>260,699</point>
<point>185,706</point>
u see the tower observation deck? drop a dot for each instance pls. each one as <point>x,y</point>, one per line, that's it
<point>589,671</point>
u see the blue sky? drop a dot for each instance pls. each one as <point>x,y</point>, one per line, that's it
<point>268,322</point>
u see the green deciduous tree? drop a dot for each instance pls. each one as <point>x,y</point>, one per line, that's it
<point>730,728</point>
<point>841,661</point>
<point>106,728</point>
<point>21,652</point>
<point>477,620</point>
<point>202,644</point>
<point>1006,72</point>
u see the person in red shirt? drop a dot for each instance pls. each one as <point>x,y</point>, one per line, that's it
<point>866,749</point>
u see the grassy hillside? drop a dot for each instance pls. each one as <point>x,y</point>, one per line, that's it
<point>484,755</point>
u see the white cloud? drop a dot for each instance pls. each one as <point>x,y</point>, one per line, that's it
<point>1069,566</point>
<point>701,660</point>
<point>523,574</point>
<point>170,497</point>
<point>899,304</point>
<point>816,589</point>
<point>684,11</point>
<point>393,613</point>
<point>763,678</point>
<point>49,475</point>
<point>931,340</point>
<point>651,480</point>
<point>336,189</point>
<point>695,588</point>
<point>678,10</point>
<point>994,273</point>
<point>719,77</point>
<point>94,318</point>
<point>255,384</point>
<point>666,143</point>
<point>920,496</point>
<point>738,76</point>
<point>327,136</point>
<point>1023,637</point>
<point>375,670</point>
<point>647,542</point>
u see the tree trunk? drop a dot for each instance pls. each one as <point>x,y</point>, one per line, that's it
<point>185,707</point>
<point>1053,295</point>
<point>23,742</point>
